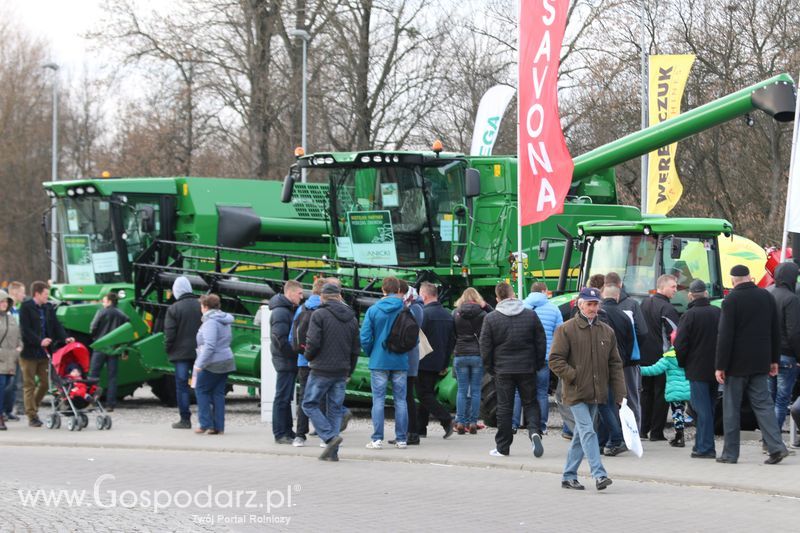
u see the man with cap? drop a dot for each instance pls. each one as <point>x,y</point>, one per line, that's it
<point>332,347</point>
<point>584,354</point>
<point>695,347</point>
<point>748,350</point>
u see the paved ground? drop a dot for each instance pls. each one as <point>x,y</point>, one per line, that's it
<point>442,484</point>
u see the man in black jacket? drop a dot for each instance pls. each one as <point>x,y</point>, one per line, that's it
<point>332,348</point>
<point>782,385</point>
<point>748,347</point>
<point>41,332</point>
<point>513,347</point>
<point>662,319</point>
<point>181,324</point>
<point>695,349</point>
<point>284,359</point>
<point>438,327</point>
<point>104,322</point>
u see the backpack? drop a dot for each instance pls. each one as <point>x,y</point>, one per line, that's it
<point>300,329</point>
<point>404,334</point>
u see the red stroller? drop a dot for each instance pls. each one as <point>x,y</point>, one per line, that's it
<point>73,394</point>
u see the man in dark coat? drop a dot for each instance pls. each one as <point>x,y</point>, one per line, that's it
<point>695,349</point>
<point>282,308</point>
<point>782,385</point>
<point>41,332</point>
<point>438,327</point>
<point>662,319</point>
<point>513,347</point>
<point>181,324</point>
<point>332,348</point>
<point>748,349</point>
<point>104,322</point>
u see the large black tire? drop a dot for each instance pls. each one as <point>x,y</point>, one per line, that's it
<point>164,390</point>
<point>488,401</point>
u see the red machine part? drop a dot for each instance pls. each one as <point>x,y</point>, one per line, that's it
<point>773,260</point>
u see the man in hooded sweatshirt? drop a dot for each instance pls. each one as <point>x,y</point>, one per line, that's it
<point>332,348</point>
<point>385,365</point>
<point>513,348</point>
<point>282,308</point>
<point>781,386</point>
<point>182,321</point>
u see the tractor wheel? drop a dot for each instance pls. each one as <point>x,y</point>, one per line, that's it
<point>488,401</point>
<point>164,389</point>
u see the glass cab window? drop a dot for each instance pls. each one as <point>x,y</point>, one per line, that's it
<point>633,257</point>
<point>695,258</point>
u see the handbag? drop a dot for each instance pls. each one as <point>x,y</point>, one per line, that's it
<point>630,431</point>
<point>424,345</point>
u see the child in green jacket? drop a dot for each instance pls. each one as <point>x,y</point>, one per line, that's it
<point>676,393</point>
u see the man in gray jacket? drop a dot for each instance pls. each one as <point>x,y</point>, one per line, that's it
<point>332,348</point>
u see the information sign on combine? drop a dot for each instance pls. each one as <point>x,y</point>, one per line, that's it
<point>372,237</point>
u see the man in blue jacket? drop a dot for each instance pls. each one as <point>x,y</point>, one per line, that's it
<point>550,317</point>
<point>385,365</point>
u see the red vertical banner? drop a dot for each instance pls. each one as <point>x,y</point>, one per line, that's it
<point>545,166</point>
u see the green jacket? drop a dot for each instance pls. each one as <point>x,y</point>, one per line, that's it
<point>677,384</point>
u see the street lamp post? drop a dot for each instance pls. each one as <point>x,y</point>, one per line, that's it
<point>54,176</point>
<point>305,36</point>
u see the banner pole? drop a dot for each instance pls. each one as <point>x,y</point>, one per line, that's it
<point>520,294</point>
<point>644,85</point>
<point>792,165</point>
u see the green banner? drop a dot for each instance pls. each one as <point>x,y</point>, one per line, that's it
<point>372,237</point>
<point>78,259</point>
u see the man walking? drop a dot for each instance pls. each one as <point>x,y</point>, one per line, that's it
<point>748,350</point>
<point>782,385</point>
<point>695,349</point>
<point>282,308</point>
<point>585,356</point>
<point>662,319</point>
<point>332,347</point>
<point>513,347</point>
<point>386,365</point>
<point>438,326</point>
<point>41,332</point>
<point>181,324</point>
<point>104,322</point>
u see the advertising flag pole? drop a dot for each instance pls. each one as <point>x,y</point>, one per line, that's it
<point>789,189</point>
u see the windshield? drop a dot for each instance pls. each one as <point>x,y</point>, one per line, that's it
<point>396,215</point>
<point>90,237</point>
<point>639,262</point>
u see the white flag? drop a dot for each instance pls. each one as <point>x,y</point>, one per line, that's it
<point>792,219</point>
<point>487,122</point>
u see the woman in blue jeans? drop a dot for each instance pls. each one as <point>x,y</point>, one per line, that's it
<point>10,346</point>
<point>213,364</point>
<point>468,315</point>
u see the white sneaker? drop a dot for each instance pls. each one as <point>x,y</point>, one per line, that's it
<point>495,453</point>
<point>299,442</point>
<point>375,445</point>
<point>401,444</point>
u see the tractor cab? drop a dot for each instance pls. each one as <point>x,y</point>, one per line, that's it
<point>393,208</point>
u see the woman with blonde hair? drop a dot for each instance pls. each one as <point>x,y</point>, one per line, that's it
<point>468,315</point>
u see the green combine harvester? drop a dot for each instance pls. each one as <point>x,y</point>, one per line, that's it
<point>422,216</point>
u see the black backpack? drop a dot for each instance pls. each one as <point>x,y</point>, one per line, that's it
<point>404,334</point>
<point>300,329</point>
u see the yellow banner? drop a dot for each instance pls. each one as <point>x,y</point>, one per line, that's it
<point>668,74</point>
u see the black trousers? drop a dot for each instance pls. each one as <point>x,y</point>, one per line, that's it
<point>654,407</point>
<point>412,406</point>
<point>428,405</point>
<point>506,385</point>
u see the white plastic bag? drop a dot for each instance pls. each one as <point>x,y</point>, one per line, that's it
<point>630,431</point>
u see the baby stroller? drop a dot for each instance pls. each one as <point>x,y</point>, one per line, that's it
<point>73,394</point>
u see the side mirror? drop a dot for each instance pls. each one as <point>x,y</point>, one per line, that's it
<point>288,189</point>
<point>472,183</point>
<point>147,219</point>
<point>544,247</point>
<point>676,248</point>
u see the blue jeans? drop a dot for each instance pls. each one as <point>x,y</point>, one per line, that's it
<point>98,360</point>
<point>282,405</point>
<point>542,398</point>
<point>704,396</point>
<point>379,380</point>
<point>609,429</point>
<point>321,389</point>
<point>183,393</point>
<point>5,379</point>
<point>210,392</point>
<point>9,392</point>
<point>469,373</point>
<point>584,442</point>
<point>781,386</point>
